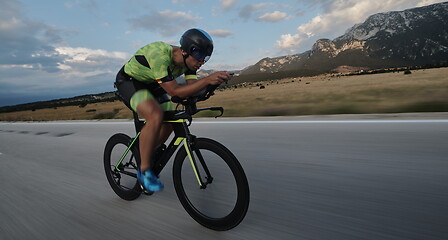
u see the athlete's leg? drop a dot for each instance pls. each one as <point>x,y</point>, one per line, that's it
<point>151,111</point>
<point>137,97</point>
<point>148,108</point>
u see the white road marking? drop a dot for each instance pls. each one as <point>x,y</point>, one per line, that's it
<point>329,121</point>
<point>251,122</point>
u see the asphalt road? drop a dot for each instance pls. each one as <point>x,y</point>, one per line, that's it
<point>308,180</point>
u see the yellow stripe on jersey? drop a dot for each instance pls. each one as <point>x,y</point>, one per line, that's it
<point>188,77</point>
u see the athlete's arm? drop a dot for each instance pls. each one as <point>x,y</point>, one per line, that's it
<point>191,81</point>
<point>194,86</point>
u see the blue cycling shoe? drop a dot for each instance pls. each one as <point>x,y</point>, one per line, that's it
<point>149,181</point>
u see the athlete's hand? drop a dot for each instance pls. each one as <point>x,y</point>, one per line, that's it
<point>218,77</point>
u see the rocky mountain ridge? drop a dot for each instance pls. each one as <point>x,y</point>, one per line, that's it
<point>393,39</point>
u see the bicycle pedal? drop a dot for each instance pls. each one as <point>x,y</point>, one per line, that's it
<point>146,192</point>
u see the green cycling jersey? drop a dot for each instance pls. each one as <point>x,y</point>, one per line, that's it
<point>153,63</point>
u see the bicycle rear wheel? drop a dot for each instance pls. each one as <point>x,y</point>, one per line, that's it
<point>224,202</point>
<point>123,178</point>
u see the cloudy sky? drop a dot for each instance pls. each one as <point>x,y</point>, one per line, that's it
<point>63,48</point>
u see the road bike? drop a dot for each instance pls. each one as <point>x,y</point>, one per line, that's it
<point>209,180</point>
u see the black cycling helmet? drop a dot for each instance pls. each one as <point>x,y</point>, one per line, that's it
<point>198,44</point>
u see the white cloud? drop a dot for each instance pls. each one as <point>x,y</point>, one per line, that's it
<point>339,16</point>
<point>172,42</point>
<point>80,54</point>
<point>275,16</point>
<point>36,64</point>
<point>227,4</point>
<point>220,33</point>
<point>75,65</point>
<point>26,42</point>
<point>184,1</point>
<point>288,42</point>
<point>85,64</point>
<point>79,71</point>
<point>249,9</point>
<point>169,14</point>
<point>69,4</point>
<point>9,23</point>
<point>6,66</point>
<point>167,22</point>
<point>229,67</point>
<point>427,2</point>
<point>262,10</point>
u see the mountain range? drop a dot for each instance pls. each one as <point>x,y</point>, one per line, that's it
<point>411,37</point>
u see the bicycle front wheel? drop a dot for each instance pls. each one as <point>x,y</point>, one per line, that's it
<point>120,166</point>
<point>223,203</point>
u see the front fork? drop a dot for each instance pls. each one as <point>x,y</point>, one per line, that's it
<point>190,147</point>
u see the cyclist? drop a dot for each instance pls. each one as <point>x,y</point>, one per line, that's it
<point>147,79</point>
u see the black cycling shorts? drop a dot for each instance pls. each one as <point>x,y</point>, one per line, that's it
<point>132,92</point>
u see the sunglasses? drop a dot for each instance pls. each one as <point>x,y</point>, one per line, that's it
<point>199,55</point>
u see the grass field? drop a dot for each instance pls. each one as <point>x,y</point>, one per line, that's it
<point>421,91</point>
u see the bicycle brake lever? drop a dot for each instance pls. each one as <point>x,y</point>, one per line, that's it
<point>218,109</point>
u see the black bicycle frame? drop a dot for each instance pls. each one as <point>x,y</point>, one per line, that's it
<point>183,136</point>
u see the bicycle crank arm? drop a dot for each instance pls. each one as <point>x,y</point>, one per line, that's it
<point>129,174</point>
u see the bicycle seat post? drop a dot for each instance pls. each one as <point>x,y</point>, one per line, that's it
<point>137,122</point>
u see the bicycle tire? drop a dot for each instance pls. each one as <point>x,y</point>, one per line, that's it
<point>214,154</point>
<point>111,157</point>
